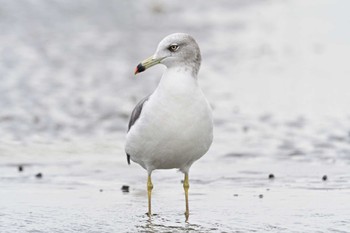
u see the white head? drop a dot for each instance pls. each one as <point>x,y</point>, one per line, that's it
<point>175,50</point>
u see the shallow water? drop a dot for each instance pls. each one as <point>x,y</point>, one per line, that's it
<point>279,91</point>
<point>80,190</point>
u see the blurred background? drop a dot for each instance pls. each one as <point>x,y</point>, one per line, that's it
<point>66,67</point>
<point>275,72</point>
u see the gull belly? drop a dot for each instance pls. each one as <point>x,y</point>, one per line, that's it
<point>175,127</point>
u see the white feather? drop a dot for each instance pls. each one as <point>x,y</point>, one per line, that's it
<point>175,127</point>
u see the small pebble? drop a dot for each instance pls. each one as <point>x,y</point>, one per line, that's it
<point>101,190</point>
<point>39,175</point>
<point>20,168</point>
<point>324,178</point>
<point>125,188</point>
<point>235,195</point>
<point>271,176</point>
<point>261,196</point>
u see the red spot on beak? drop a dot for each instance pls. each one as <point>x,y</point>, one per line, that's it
<point>139,68</point>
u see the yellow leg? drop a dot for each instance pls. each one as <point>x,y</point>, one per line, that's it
<point>149,190</point>
<point>186,187</point>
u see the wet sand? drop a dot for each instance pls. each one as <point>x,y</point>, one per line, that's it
<point>81,190</point>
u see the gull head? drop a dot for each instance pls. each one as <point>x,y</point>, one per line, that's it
<point>176,50</point>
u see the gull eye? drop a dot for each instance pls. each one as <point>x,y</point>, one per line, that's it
<point>173,47</point>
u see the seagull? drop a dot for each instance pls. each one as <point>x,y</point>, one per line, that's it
<point>172,127</point>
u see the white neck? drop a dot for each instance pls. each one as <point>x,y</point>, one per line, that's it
<point>178,80</point>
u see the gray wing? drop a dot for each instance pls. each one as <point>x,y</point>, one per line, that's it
<point>136,113</point>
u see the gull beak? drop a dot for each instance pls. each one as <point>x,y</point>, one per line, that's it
<point>147,63</point>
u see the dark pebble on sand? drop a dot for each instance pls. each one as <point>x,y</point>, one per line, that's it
<point>39,175</point>
<point>101,190</point>
<point>125,188</point>
<point>20,168</point>
<point>324,178</point>
<point>261,196</point>
<point>235,195</point>
<point>271,176</point>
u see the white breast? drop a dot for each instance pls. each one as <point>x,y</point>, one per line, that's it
<point>175,127</point>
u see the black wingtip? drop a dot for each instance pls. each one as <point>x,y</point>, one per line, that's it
<point>128,158</point>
